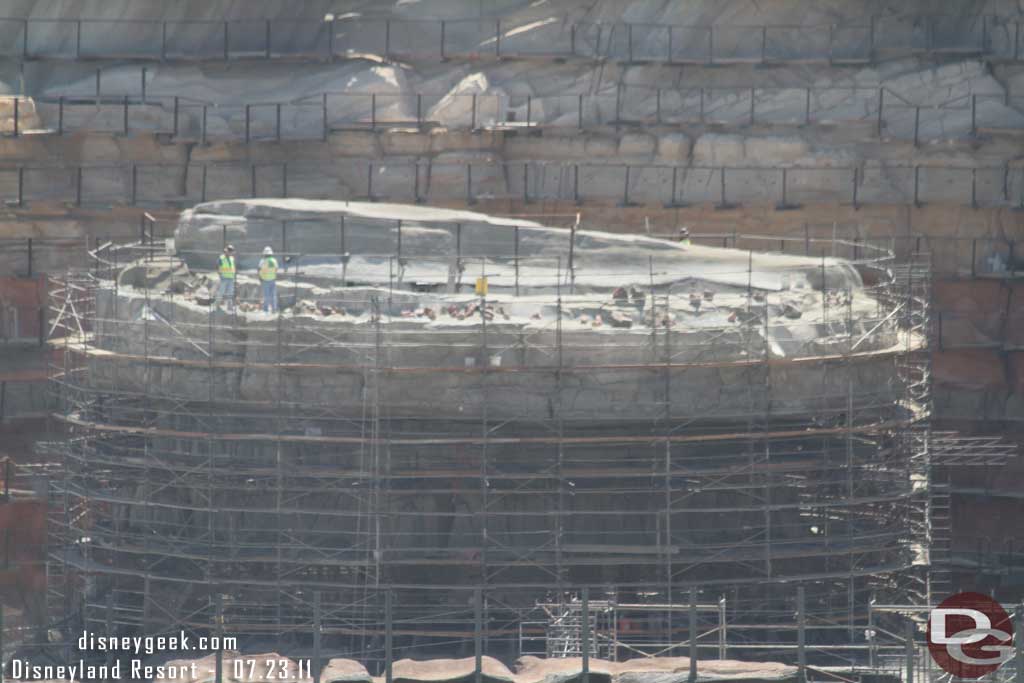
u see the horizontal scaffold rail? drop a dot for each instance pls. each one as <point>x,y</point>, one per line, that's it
<point>789,466</point>
<point>73,420</point>
<point>912,344</point>
<point>858,40</point>
<point>313,583</point>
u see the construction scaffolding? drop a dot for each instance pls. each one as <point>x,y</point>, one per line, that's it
<point>402,491</point>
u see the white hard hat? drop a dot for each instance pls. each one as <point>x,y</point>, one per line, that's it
<point>267,251</point>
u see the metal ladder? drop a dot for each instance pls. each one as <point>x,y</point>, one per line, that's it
<point>940,541</point>
<point>565,632</point>
<point>931,519</point>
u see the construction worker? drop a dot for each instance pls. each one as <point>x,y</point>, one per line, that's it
<point>684,236</point>
<point>268,280</point>
<point>226,271</point>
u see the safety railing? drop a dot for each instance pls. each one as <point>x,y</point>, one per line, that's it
<point>582,183</point>
<point>805,635</point>
<point>386,261</point>
<point>878,109</point>
<point>961,257</point>
<point>987,258</point>
<point>490,629</point>
<point>28,257</point>
<point>982,257</point>
<point>861,41</point>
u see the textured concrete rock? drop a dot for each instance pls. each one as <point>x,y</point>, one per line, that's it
<point>28,118</point>
<point>458,175</point>
<point>450,670</point>
<point>717,149</point>
<point>502,89</point>
<point>405,144</point>
<point>637,145</point>
<point>100,148</point>
<point>774,149</point>
<point>22,148</point>
<point>472,102</point>
<point>431,239</point>
<point>674,147</point>
<point>647,670</point>
<point>549,146</point>
<point>251,222</point>
<point>442,140</point>
<point>354,144</point>
<point>344,671</point>
<point>596,146</point>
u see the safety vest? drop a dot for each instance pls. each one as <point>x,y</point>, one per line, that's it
<point>268,268</point>
<point>226,267</point>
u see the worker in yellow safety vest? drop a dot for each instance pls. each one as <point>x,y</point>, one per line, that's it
<point>226,271</point>
<point>268,280</point>
<point>684,236</point>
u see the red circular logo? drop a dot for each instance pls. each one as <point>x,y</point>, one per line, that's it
<point>970,635</point>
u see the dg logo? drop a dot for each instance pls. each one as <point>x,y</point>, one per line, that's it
<point>970,635</point>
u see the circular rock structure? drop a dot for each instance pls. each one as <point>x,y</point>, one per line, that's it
<point>454,417</point>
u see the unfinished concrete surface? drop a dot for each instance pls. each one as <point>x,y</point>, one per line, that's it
<point>659,115</point>
<point>525,670</point>
<point>619,414</point>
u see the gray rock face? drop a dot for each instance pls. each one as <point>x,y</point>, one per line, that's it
<point>314,232</point>
<point>637,145</point>
<point>365,92</point>
<point>717,149</point>
<point>528,26</point>
<point>28,118</point>
<point>447,342</point>
<point>471,103</point>
<point>674,147</point>
<point>708,304</point>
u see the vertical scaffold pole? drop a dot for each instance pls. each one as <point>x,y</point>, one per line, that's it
<point>389,657</point>
<point>560,470</point>
<point>585,632</point>
<point>801,634</point>
<point>572,250</point>
<point>722,629</point>
<point>872,643</point>
<point>317,627</point>
<point>478,652</point>
<point>219,618</point>
<point>693,634</point>
<point>909,643</point>
<point>515,261</point>
<point>1018,648</point>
